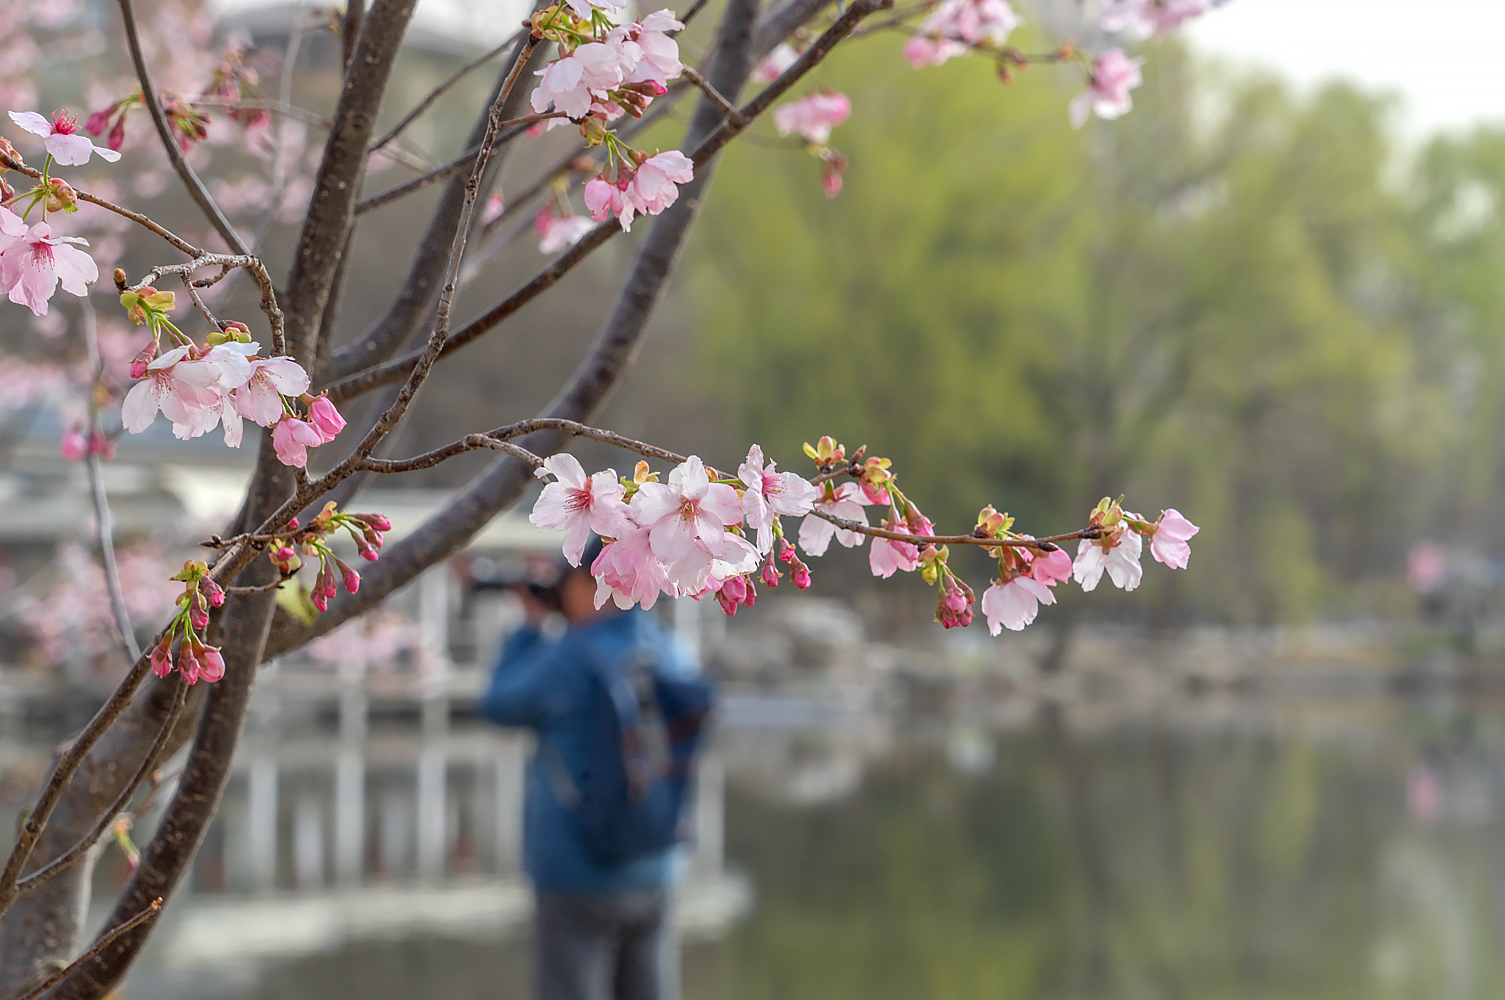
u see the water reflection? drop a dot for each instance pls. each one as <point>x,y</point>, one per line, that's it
<point>1211,847</point>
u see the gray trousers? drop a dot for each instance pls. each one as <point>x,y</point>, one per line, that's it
<point>605,946</point>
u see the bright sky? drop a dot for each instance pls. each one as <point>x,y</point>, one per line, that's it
<point>1441,57</point>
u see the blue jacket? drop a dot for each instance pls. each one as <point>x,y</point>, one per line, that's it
<point>544,686</point>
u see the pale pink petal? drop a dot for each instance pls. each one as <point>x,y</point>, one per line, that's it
<point>32,122</point>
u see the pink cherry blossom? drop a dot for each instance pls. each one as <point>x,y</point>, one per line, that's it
<point>653,187</point>
<point>957,25</point>
<point>62,138</point>
<point>557,232</point>
<point>1051,568</point>
<point>603,199</point>
<point>773,65</point>
<point>12,228</point>
<point>1014,605</point>
<point>629,573</point>
<point>292,438</point>
<point>687,520</point>
<point>1113,76</point>
<point>658,52</point>
<point>1143,18</point>
<point>813,116</point>
<point>740,558</point>
<point>325,418</point>
<point>888,555</point>
<point>577,504</point>
<point>32,265</point>
<point>1121,562</point>
<point>582,8</point>
<point>183,391</point>
<point>259,397</point>
<point>1170,544</point>
<point>816,533</point>
<point>770,493</point>
<point>594,68</point>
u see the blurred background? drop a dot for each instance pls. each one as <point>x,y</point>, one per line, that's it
<point>1271,296</point>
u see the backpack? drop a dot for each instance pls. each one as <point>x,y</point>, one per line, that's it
<point>629,797</point>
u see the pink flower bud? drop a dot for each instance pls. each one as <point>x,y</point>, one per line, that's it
<point>98,122</point>
<point>116,138</point>
<point>141,361</point>
<point>213,592</point>
<point>188,662</point>
<point>211,664</point>
<point>771,574</point>
<point>352,578</point>
<point>376,521</point>
<point>319,598</point>
<point>198,617</point>
<point>101,445</point>
<point>74,446</point>
<point>162,657</point>
<point>325,418</point>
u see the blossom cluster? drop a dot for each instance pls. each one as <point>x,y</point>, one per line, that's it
<point>296,542</point>
<point>220,384</point>
<point>604,71</point>
<point>196,660</point>
<point>704,533</point>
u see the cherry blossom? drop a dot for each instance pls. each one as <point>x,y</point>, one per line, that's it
<point>736,592</point>
<point>1051,567</point>
<point>1170,544</point>
<point>582,8</point>
<point>568,83</point>
<point>181,390</point>
<point>888,555</point>
<point>557,232</point>
<point>1118,554</point>
<point>658,51</point>
<point>687,520</point>
<point>654,187</point>
<point>1014,604</point>
<point>775,63</point>
<point>770,493</point>
<point>578,505</point>
<point>957,25</point>
<point>628,573</point>
<point>814,116</point>
<point>1143,18</point>
<point>12,228</point>
<point>34,263</point>
<point>326,419</point>
<point>292,438</point>
<point>259,397</point>
<point>847,501</point>
<point>1113,76</point>
<point>953,607</point>
<point>62,138</point>
<point>603,199</point>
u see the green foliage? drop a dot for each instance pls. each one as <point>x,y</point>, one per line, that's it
<point>1223,302</point>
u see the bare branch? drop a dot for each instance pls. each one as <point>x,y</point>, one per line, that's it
<point>712,143</point>
<point>443,88</point>
<point>136,217</point>
<point>97,490</point>
<point>249,262</point>
<point>428,460</point>
<point>335,188</point>
<point>107,819</point>
<point>726,106</point>
<point>100,945</point>
<point>455,166</point>
<point>196,189</point>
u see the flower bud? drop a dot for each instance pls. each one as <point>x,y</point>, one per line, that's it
<point>238,332</point>
<point>325,418</point>
<point>211,664</point>
<point>7,193</point>
<point>376,521</point>
<point>98,121</point>
<point>142,361</point>
<point>116,138</point>
<point>162,657</point>
<point>213,592</point>
<point>771,574</point>
<point>74,446</point>
<point>352,578</point>
<point>9,152</point>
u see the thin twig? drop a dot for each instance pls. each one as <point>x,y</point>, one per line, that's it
<point>406,153</point>
<point>727,107</point>
<point>196,189</point>
<point>102,513</point>
<point>193,293</point>
<point>136,217</point>
<point>725,132</point>
<point>471,442</point>
<point>99,946</point>
<point>447,171</point>
<point>148,764</point>
<point>440,90</point>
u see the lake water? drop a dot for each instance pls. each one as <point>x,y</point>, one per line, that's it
<point>1316,848</point>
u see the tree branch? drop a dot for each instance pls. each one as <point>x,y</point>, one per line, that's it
<point>714,138</point>
<point>148,764</point>
<point>338,180</point>
<point>130,925</point>
<point>196,189</point>
<point>443,88</point>
<point>414,302</point>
